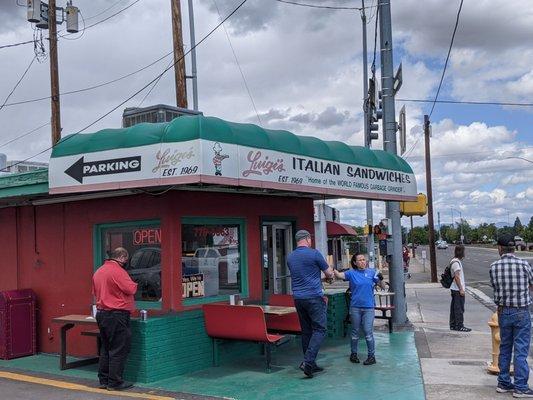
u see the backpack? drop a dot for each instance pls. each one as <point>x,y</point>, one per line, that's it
<point>446,278</point>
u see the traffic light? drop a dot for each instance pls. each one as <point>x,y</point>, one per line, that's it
<point>374,112</point>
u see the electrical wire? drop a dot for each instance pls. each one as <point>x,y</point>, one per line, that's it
<point>18,83</point>
<point>104,11</point>
<point>316,6</point>
<point>153,86</point>
<point>5,46</point>
<point>447,58</point>
<point>239,66</point>
<point>99,85</point>
<point>23,135</point>
<point>105,19</point>
<point>138,91</point>
<point>482,103</point>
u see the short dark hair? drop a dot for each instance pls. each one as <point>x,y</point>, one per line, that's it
<point>459,251</point>
<point>119,252</point>
<point>507,249</point>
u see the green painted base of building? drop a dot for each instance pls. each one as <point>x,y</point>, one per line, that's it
<point>177,344</point>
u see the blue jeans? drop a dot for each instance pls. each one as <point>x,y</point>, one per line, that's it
<point>312,316</point>
<point>363,318</point>
<point>515,330</point>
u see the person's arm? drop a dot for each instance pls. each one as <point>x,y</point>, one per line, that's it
<point>323,265</point>
<point>457,279</point>
<point>125,283</point>
<point>339,275</point>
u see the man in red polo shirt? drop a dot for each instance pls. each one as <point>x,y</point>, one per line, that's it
<point>114,290</point>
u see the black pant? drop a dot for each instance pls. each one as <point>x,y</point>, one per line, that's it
<point>457,309</point>
<point>115,334</point>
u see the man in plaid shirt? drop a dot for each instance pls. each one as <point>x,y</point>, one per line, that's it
<point>511,279</point>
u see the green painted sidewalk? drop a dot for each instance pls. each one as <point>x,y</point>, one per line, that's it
<point>396,375</point>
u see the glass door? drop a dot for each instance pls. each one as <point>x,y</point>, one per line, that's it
<point>277,244</point>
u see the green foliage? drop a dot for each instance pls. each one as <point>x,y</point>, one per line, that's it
<point>518,227</point>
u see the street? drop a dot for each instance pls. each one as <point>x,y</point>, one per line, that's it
<point>476,263</point>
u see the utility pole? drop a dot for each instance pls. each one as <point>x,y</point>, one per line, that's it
<point>179,59</point>
<point>369,217</point>
<point>396,276</point>
<point>193,59</point>
<point>432,255</point>
<point>54,73</point>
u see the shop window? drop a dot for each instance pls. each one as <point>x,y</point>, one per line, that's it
<point>211,260</point>
<point>143,243</point>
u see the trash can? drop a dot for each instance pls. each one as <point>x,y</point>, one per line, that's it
<point>17,324</point>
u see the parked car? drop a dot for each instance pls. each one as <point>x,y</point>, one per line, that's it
<point>519,243</point>
<point>443,244</point>
<point>144,268</point>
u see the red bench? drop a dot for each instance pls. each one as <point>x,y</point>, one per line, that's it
<point>246,323</point>
<point>288,323</point>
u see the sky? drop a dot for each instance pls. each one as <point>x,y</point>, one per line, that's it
<point>284,66</point>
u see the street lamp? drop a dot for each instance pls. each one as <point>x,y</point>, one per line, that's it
<point>461,223</point>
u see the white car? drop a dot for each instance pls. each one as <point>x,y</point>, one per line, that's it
<point>443,244</point>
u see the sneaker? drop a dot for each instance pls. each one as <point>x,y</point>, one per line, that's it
<point>123,386</point>
<point>463,329</point>
<point>354,358</point>
<point>504,389</point>
<point>316,368</point>
<point>102,386</point>
<point>523,394</point>
<point>370,360</point>
<point>308,370</point>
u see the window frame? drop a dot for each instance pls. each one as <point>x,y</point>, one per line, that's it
<point>98,258</point>
<point>241,223</point>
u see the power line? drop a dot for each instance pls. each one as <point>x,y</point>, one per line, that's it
<point>105,19</point>
<point>99,85</point>
<point>501,157</point>
<point>138,91</point>
<point>104,11</point>
<point>482,103</point>
<point>23,135</point>
<point>316,6</point>
<point>239,66</point>
<point>18,83</point>
<point>15,44</point>
<point>447,57</point>
<point>68,34</point>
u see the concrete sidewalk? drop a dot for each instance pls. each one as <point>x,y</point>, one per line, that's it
<point>453,363</point>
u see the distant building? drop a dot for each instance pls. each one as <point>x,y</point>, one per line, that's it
<point>17,166</point>
<point>153,114</point>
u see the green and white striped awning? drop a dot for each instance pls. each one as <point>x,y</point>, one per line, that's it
<point>196,149</point>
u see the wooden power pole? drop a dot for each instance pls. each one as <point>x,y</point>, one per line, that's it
<point>179,59</point>
<point>432,255</point>
<point>54,73</point>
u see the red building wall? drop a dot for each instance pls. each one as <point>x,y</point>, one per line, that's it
<point>50,248</point>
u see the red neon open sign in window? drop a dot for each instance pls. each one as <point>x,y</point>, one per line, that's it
<point>147,236</point>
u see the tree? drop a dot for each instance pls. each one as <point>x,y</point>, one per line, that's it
<point>518,227</point>
<point>419,235</point>
<point>528,231</point>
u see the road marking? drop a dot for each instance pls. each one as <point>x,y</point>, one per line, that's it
<point>78,387</point>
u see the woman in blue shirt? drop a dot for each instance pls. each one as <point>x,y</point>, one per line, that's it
<point>362,280</point>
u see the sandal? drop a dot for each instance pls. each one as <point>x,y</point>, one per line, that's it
<point>463,329</point>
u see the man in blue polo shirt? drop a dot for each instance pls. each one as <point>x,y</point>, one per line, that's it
<point>306,264</point>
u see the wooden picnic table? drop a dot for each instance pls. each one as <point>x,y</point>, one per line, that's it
<point>277,310</point>
<point>69,321</point>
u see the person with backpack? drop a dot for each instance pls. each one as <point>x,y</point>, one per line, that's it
<point>457,289</point>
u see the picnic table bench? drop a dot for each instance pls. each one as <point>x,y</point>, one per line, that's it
<point>247,323</point>
<point>68,322</point>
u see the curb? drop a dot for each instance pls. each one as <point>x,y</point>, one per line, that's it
<point>481,297</point>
